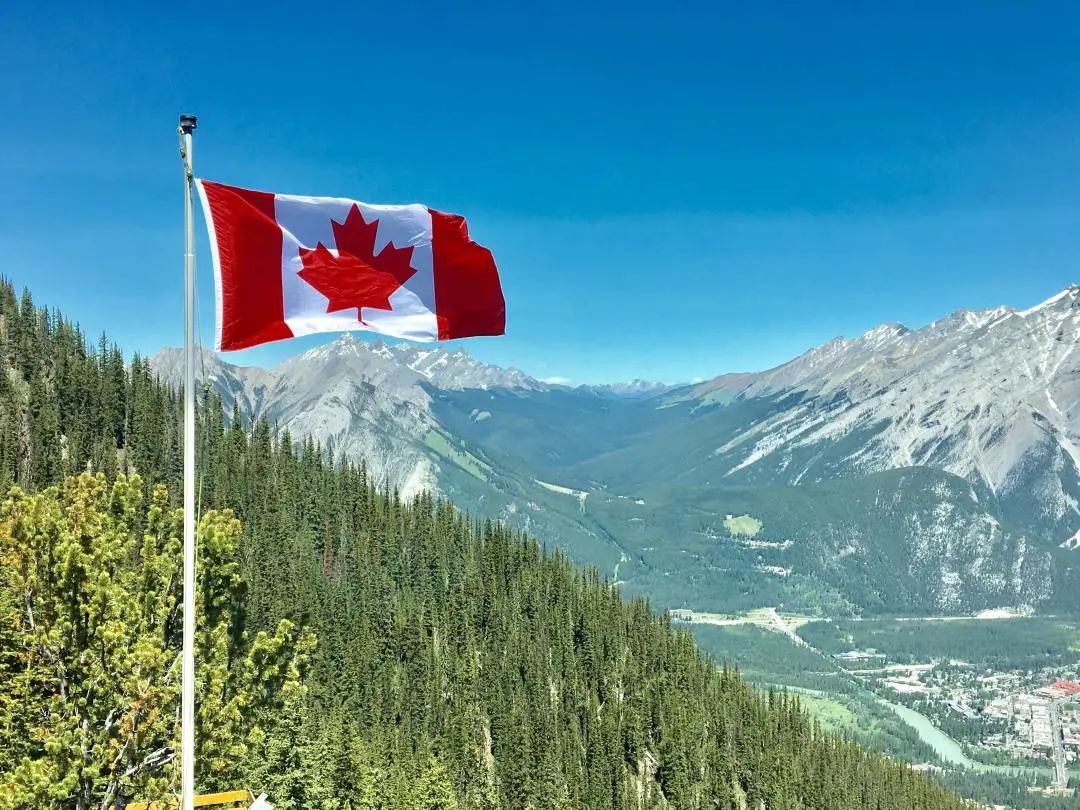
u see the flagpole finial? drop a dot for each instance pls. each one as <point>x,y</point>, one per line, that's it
<point>188,123</point>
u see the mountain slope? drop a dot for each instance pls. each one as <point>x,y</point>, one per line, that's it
<point>379,404</point>
<point>362,400</point>
<point>908,541</point>
<point>458,663</point>
<point>989,397</point>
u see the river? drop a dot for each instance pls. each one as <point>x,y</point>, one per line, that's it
<point>949,749</point>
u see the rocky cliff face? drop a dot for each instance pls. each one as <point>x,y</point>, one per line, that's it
<point>991,396</point>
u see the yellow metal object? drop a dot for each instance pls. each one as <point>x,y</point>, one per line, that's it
<point>230,798</point>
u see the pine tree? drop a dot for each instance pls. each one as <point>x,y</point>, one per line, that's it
<point>433,789</point>
<point>93,574</point>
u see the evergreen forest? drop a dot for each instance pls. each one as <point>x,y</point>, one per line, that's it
<point>355,650</point>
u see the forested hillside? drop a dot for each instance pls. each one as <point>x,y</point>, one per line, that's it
<point>641,486</point>
<point>458,664</point>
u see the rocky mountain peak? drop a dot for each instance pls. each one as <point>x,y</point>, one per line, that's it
<point>1067,299</point>
<point>989,395</point>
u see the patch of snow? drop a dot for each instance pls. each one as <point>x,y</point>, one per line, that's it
<point>576,493</point>
<point>777,570</point>
<point>1068,292</point>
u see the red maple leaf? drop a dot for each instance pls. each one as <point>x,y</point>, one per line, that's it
<point>356,277</point>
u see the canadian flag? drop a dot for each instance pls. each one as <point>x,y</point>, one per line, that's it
<point>286,266</point>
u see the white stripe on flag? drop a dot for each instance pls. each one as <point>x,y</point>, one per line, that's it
<point>306,222</point>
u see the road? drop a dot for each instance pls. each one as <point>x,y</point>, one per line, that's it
<point>766,618</point>
<point>1059,746</point>
<point>770,618</point>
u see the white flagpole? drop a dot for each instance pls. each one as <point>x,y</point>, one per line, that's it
<point>187,705</point>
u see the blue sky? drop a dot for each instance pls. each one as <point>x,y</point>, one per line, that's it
<point>672,191</point>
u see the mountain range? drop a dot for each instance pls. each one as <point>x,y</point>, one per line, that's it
<point>933,470</point>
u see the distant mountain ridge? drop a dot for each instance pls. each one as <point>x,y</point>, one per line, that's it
<point>983,409</point>
<point>992,396</point>
<point>395,367</point>
<point>637,388</point>
<point>365,400</point>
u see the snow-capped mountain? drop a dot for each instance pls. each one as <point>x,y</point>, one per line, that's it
<point>366,400</point>
<point>991,396</point>
<point>399,368</point>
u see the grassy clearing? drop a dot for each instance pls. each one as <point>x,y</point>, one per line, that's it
<point>743,525</point>
<point>831,712</point>
<point>467,461</point>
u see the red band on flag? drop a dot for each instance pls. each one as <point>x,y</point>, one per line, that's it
<point>468,297</point>
<point>247,262</point>
<point>289,265</point>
